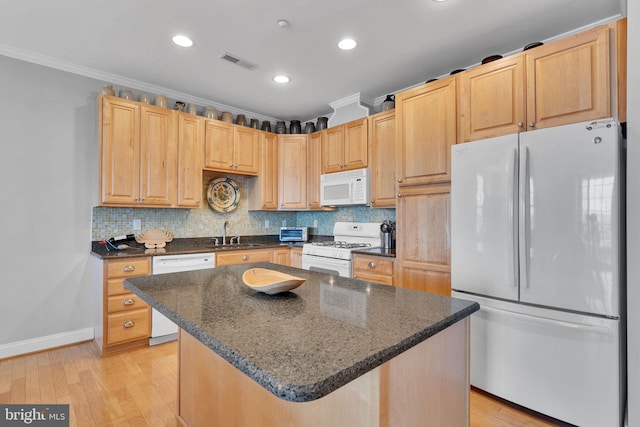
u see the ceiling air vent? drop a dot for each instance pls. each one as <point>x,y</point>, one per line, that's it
<point>238,61</point>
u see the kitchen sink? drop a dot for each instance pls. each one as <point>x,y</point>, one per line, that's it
<point>230,246</point>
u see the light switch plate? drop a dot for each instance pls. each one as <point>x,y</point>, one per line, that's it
<point>266,223</point>
<point>284,222</point>
<point>137,225</point>
<point>315,223</point>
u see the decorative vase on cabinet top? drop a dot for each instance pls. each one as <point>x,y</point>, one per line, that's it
<point>108,90</point>
<point>322,123</point>
<point>295,126</point>
<point>389,103</point>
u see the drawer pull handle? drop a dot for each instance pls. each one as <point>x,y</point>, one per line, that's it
<point>128,268</point>
<point>129,301</point>
<point>245,257</point>
<point>372,264</point>
<point>129,324</point>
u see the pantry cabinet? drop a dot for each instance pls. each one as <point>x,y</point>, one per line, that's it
<point>423,246</point>
<point>190,140</point>
<point>125,320</point>
<point>138,154</point>
<point>382,147</point>
<point>426,122</point>
<point>345,147</point>
<point>563,82</point>
<point>231,148</point>
<point>262,191</point>
<point>292,171</point>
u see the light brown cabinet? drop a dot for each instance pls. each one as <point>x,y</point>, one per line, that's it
<point>314,169</point>
<point>292,171</point>
<point>137,149</point>
<point>190,139</point>
<point>296,256</point>
<point>373,268</point>
<point>243,257</point>
<point>566,81</point>
<point>231,148</point>
<point>426,122</point>
<point>423,247</point>
<point>281,256</point>
<point>262,191</point>
<point>125,320</point>
<point>382,148</point>
<point>345,147</point>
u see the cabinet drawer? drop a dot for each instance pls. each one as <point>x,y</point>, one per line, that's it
<point>373,264</point>
<point>243,257</point>
<point>128,267</point>
<point>125,302</point>
<point>128,325</point>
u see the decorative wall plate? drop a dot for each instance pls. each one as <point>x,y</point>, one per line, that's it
<point>223,195</point>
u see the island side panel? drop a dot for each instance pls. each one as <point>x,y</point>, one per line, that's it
<point>427,383</point>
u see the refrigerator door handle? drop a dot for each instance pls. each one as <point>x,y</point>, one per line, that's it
<point>512,197</point>
<point>603,330</point>
<point>524,218</point>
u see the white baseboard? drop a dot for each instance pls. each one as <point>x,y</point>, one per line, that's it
<point>44,343</point>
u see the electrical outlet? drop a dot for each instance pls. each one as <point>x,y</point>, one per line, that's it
<point>266,223</point>
<point>315,223</point>
<point>137,225</point>
<point>284,222</point>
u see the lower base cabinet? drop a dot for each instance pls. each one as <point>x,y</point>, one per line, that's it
<point>373,268</point>
<point>125,320</point>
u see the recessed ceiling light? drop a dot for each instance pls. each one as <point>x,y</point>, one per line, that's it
<point>347,44</point>
<point>281,79</point>
<point>183,41</point>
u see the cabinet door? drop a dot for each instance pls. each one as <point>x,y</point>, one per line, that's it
<point>157,156</point>
<point>382,142</point>
<point>314,169</point>
<point>491,99</point>
<point>296,257</point>
<point>269,171</point>
<point>425,130</point>
<point>246,150</point>
<point>332,152</point>
<point>356,144</point>
<point>423,250</point>
<point>373,268</point>
<point>218,146</point>
<point>190,137</point>
<point>292,170</point>
<point>568,80</point>
<point>281,256</point>
<point>119,151</point>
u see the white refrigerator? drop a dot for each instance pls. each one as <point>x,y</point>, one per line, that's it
<point>537,230</point>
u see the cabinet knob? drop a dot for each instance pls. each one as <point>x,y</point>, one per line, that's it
<point>231,165</point>
<point>245,257</point>
<point>532,125</point>
<point>399,195</point>
<point>129,301</point>
<point>399,180</point>
<point>128,268</point>
<point>520,124</point>
<point>129,324</point>
<point>372,264</point>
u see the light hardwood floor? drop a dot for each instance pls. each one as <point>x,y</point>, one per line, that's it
<point>138,388</point>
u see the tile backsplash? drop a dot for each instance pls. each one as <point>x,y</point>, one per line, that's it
<point>205,222</point>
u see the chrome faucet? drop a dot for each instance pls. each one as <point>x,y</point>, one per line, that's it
<point>224,232</point>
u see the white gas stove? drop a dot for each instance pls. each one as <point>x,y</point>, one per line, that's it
<point>334,257</point>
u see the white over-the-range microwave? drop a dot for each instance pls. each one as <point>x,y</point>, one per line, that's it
<point>345,188</point>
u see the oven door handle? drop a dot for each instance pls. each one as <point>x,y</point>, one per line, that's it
<point>326,260</point>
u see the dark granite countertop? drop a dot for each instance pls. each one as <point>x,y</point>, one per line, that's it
<point>194,245</point>
<point>390,253</point>
<point>304,344</point>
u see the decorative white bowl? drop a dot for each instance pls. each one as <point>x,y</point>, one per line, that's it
<point>270,281</point>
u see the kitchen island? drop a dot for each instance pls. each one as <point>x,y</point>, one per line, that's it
<point>334,351</point>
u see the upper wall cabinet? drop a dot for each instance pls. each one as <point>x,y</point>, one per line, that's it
<point>345,147</point>
<point>262,191</point>
<point>382,149</point>
<point>137,154</point>
<point>292,171</point>
<point>190,139</point>
<point>314,169</point>
<point>231,148</point>
<point>425,131</point>
<point>563,82</point>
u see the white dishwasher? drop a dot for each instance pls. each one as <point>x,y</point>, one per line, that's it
<point>163,329</point>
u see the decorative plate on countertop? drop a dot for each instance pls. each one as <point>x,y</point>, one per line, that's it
<point>223,195</point>
<point>270,281</point>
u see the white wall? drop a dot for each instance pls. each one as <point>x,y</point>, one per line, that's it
<point>633,210</point>
<point>48,181</point>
